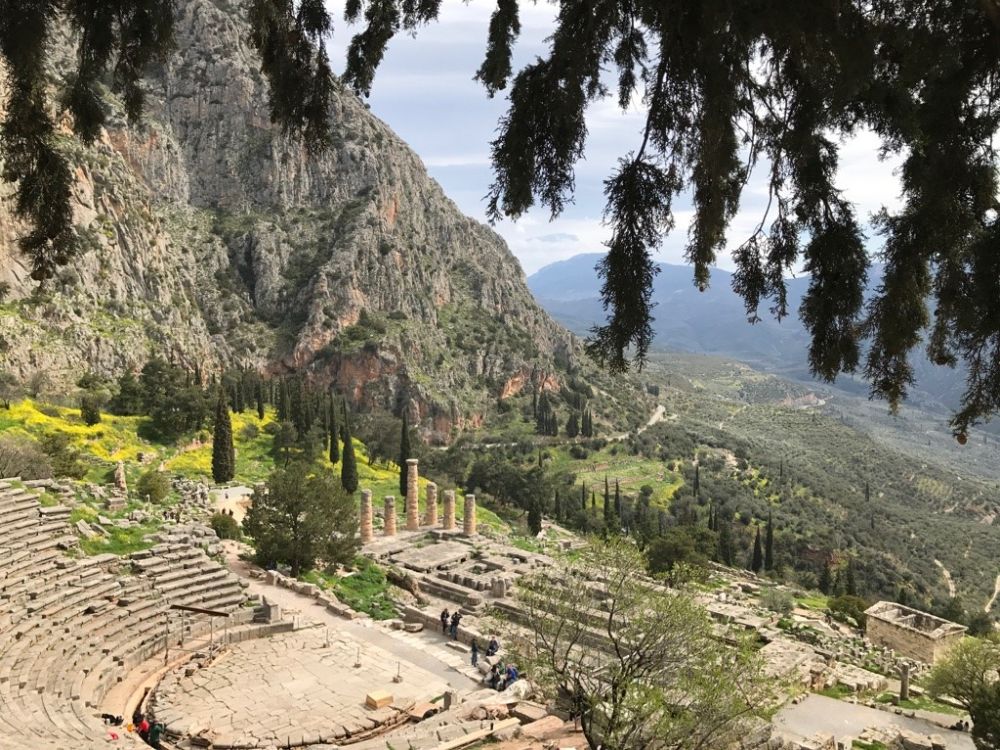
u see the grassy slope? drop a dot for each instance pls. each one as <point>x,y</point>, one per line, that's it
<point>115,439</point>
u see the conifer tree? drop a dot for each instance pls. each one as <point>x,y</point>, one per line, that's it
<point>868,497</point>
<point>404,453</point>
<point>334,431</point>
<point>769,545</point>
<point>851,584</point>
<point>535,518</point>
<point>349,465</point>
<point>583,497</point>
<point>572,425</point>
<point>593,502</point>
<point>223,452</point>
<point>826,578</point>
<point>618,500</point>
<point>609,515</point>
<point>725,550</point>
<point>757,561</point>
<point>557,506</point>
<point>259,397</point>
<point>697,479</point>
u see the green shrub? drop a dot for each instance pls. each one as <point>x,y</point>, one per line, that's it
<point>777,600</point>
<point>225,526</point>
<point>153,486</point>
<point>847,606</point>
<point>249,432</point>
<point>90,409</point>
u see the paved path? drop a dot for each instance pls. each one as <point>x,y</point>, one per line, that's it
<point>818,713</point>
<point>236,499</point>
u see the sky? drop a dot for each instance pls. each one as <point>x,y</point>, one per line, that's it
<point>424,90</point>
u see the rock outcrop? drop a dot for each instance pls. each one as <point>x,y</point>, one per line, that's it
<point>211,237</point>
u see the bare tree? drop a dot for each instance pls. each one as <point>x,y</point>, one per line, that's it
<point>637,661</point>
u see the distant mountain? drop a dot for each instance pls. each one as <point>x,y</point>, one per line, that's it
<point>715,322</point>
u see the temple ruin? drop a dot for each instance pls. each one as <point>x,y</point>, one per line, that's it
<point>412,510</point>
<point>910,632</point>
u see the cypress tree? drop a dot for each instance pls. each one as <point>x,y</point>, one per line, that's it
<point>618,500</point>
<point>223,452</point>
<point>349,467</point>
<point>826,578</point>
<point>593,502</point>
<point>557,506</point>
<point>769,545</point>
<point>572,425</point>
<point>259,396</point>
<point>697,480</point>
<point>535,518</point>
<point>334,433</point>
<point>868,497</point>
<point>609,518</point>
<point>852,584</point>
<point>583,497</point>
<point>757,561</point>
<point>404,453</point>
<point>726,542</point>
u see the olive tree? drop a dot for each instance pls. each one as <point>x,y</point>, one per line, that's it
<point>971,675</point>
<point>639,661</point>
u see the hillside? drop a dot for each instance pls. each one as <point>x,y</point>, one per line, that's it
<point>715,322</point>
<point>212,239</point>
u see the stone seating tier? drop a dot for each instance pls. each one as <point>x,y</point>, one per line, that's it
<point>71,629</point>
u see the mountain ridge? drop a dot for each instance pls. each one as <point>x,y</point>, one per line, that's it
<point>212,238</point>
<point>715,322</point>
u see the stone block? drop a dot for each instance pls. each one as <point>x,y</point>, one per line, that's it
<point>378,699</point>
<point>413,627</point>
<point>539,730</point>
<point>529,712</point>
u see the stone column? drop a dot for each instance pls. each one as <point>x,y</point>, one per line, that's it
<point>432,504</point>
<point>412,503</point>
<point>366,516</point>
<point>390,515</point>
<point>904,683</point>
<point>448,524</point>
<point>469,519</point>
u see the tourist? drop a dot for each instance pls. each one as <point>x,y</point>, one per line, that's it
<point>143,729</point>
<point>475,652</point>
<point>136,716</point>
<point>455,620</point>
<point>511,676</point>
<point>495,678</point>
<point>444,621</point>
<point>576,712</point>
<point>493,647</point>
<point>154,735</point>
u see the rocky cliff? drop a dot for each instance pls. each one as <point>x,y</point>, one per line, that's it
<point>213,238</point>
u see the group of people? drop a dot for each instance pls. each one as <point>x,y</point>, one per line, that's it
<point>148,733</point>
<point>500,675</point>
<point>450,623</point>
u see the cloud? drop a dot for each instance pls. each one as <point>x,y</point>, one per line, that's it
<point>424,90</point>
<point>557,237</point>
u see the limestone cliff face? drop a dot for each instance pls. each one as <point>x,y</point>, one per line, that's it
<point>214,238</point>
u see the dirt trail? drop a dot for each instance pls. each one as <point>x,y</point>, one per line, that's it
<point>659,414</point>
<point>996,593</point>
<point>947,578</point>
